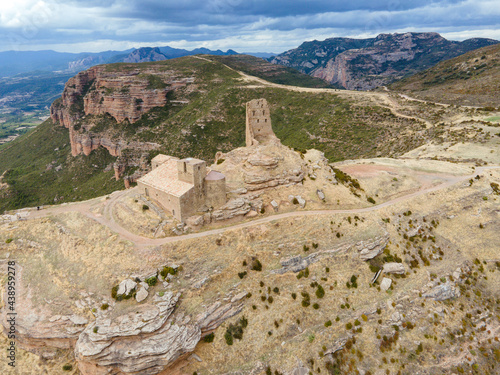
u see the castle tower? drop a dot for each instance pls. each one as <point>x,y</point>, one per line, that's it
<point>258,123</point>
<point>193,171</point>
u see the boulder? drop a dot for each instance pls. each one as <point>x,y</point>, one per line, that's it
<point>394,267</point>
<point>141,295</point>
<point>443,292</point>
<point>385,284</point>
<point>78,320</point>
<point>126,286</point>
<point>275,205</point>
<point>302,202</point>
<point>321,195</point>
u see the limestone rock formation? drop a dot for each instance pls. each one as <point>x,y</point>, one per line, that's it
<point>394,267</point>
<point>125,97</point>
<point>370,249</point>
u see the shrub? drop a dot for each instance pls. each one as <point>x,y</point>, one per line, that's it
<point>315,306</point>
<point>151,281</point>
<point>320,292</point>
<point>328,323</point>
<point>315,245</point>
<point>371,200</point>
<point>168,271</point>
<point>295,201</point>
<point>306,299</point>
<point>96,328</point>
<point>145,207</point>
<point>9,240</point>
<point>294,295</point>
<point>209,338</point>
<point>220,161</point>
<point>104,306</point>
<point>241,275</point>
<point>276,290</point>
<point>256,265</point>
<point>228,337</point>
<point>114,291</point>
<point>348,325</point>
<point>306,272</point>
<point>67,367</point>
<point>270,299</point>
<point>364,317</point>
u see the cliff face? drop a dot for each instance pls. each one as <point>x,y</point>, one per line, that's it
<point>98,92</point>
<point>98,104</point>
<point>368,63</point>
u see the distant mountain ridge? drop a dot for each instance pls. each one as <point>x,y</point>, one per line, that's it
<point>19,62</point>
<point>363,64</point>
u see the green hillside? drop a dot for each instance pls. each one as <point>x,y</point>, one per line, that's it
<point>470,79</point>
<point>39,169</point>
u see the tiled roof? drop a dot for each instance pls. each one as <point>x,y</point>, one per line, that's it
<point>160,158</point>
<point>165,178</point>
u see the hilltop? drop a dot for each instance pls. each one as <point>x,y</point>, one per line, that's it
<point>471,79</point>
<point>363,64</point>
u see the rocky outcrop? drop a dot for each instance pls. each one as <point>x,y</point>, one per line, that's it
<point>144,338</point>
<point>371,248</point>
<point>124,95</point>
<point>148,339</point>
<point>443,291</point>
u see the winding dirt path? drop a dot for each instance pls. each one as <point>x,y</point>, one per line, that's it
<point>107,220</point>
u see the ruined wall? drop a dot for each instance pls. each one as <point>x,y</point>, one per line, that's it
<point>258,123</point>
<point>215,192</point>
<point>167,201</point>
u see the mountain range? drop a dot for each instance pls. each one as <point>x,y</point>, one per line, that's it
<point>363,64</point>
<point>18,62</point>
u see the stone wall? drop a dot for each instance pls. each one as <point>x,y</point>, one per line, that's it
<point>258,123</point>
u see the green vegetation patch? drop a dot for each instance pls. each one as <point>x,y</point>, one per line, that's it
<point>40,170</point>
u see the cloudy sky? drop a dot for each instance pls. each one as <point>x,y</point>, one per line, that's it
<point>243,25</point>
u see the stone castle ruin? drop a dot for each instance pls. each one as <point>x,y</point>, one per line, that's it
<point>185,187</point>
<point>258,124</point>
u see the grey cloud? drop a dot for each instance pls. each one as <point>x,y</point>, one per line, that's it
<point>150,21</point>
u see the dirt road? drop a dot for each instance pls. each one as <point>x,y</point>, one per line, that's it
<point>108,221</point>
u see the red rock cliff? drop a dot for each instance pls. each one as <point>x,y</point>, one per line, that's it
<point>125,94</point>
